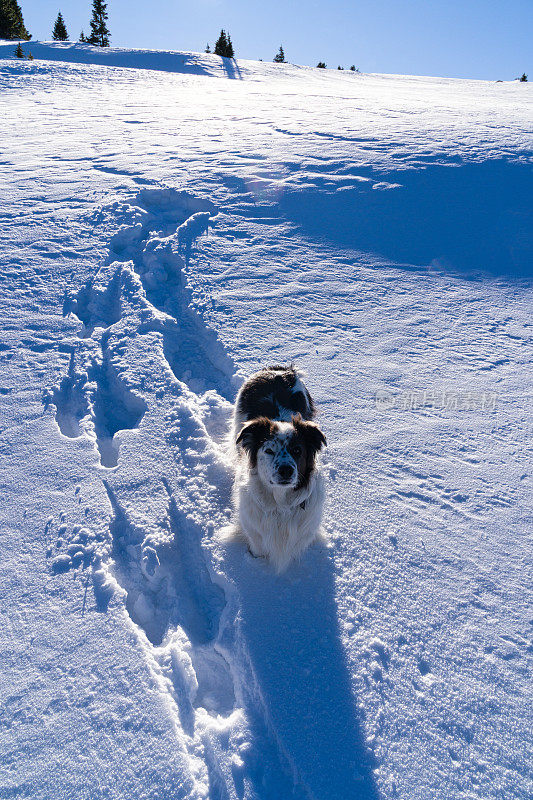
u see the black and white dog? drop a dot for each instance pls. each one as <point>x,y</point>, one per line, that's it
<point>279,486</point>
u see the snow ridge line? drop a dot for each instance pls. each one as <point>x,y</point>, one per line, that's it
<point>144,354</point>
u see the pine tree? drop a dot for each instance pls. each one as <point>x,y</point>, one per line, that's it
<point>523,79</point>
<point>321,65</point>
<point>207,48</point>
<point>230,53</point>
<point>99,30</point>
<point>12,22</point>
<point>339,67</point>
<point>279,58</point>
<point>352,68</point>
<point>82,38</point>
<point>60,33</point>
<point>19,52</point>
<point>30,56</point>
<point>223,45</point>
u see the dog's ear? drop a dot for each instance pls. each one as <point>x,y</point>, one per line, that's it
<point>311,434</point>
<point>253,435</point>
<point>313,439</point>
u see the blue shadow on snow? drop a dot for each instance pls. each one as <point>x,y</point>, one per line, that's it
<point>298,669</point>
<point>472,218</point>
<point>231,68</point>
<point>76,53</point>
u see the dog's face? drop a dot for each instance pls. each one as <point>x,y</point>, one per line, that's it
<point>283,452</point>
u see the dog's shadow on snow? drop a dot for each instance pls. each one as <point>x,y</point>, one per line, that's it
<point>298,669</point>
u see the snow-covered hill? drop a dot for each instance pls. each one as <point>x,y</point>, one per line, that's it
<point>169,222</point>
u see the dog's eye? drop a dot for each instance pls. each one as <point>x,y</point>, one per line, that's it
<point>269,451</point>
<point>297,450</point>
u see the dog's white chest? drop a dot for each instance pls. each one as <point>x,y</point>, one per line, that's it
<point>278,525</point>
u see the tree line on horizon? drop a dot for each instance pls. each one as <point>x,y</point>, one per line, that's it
<point>12,27</point>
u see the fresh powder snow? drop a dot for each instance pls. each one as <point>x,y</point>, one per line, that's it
<point>171,222</point>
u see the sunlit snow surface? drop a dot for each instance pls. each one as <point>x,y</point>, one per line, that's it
<point>164,231</point>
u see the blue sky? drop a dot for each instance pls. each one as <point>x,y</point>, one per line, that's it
<point>454,38</point>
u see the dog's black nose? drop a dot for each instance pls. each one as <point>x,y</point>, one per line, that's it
<point>285,471</point>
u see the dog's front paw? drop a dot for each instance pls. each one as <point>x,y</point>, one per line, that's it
<point>228,533</point>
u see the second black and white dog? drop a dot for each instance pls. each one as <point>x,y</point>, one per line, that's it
<point>279,485</point>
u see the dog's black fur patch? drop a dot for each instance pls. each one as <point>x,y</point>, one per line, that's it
<point>254,434</point>
<point>270,391</point>
<point>311,439</point>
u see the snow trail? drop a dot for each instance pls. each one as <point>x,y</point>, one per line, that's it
<point>169,595</point>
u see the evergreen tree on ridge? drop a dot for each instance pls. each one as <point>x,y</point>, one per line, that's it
<point>12,22</point>
<point>60,33</point>
<point>223,45</point>
<point>99,30</point>
<point>279,58</point>
<point>230,53</point>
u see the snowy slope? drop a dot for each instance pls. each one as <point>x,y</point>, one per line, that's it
<point>166,230</point>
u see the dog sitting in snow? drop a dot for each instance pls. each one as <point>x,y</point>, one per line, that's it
<point>279,485</point>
